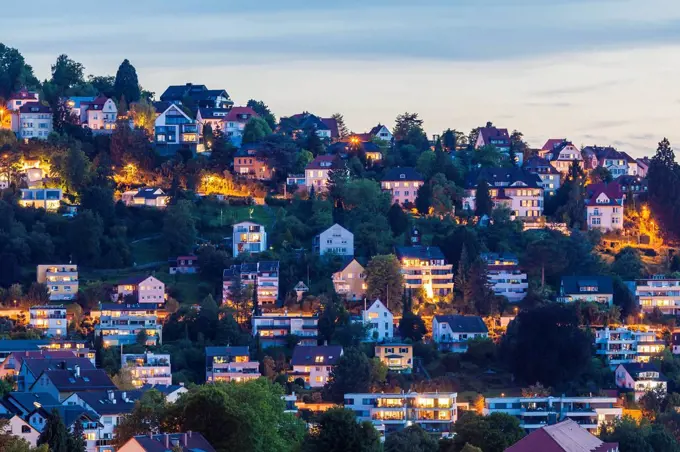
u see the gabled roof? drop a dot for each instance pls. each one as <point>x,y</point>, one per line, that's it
<point>133,280</point>
<point>348,262</point>
<point>612,190</point>
<point>150,193</point>
<point>374,131</point>
<point>97,102</point>
<point>635,369</point>
<point>27,400</point>
<point>343,147</point>
<point>163,389</point>
<point>23,93</point>
<point>20,345</point>
<point>539,165</point>
<point>402,174</point>
<point>332,125</point>
<point>39,365</point>
<point>175,93</point>
<point>307,355</point>
<point>489,134</point>
<point>34,107</point>
<point>552,143</point>
<point>189,442</point>
<point>89,380</point>
<point>69,414</point>
<point>566,436</point>
<point>236,114</point>
<point>325,162</point>
<point>609,153</point>
<point>111,401</point>
<point>571,284</point>
<point>214,113</point>
<point>503,177</point>
<point>419,252</point>
<point>463,323</point>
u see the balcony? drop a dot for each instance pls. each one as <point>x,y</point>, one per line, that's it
<point>49,316</point>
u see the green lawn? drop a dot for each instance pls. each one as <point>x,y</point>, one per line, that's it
<point>147,251</point>
<point>185,288</point>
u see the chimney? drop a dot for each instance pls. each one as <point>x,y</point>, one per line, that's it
<point>185,439</point>
<point>110,394</point>
<point>76,370</point>
<point>190,433</point>
<point>166,439</point>
<point>124,395</point>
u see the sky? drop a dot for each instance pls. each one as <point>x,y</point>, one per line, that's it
<point>601,72</point>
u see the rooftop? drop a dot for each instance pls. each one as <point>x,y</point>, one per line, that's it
<point>463,323</point>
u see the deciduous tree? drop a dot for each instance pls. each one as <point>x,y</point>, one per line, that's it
<point>339,431</point>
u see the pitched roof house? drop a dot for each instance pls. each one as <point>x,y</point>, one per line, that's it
<point>640,378</point>
<point>567,436</point>
<point>598,289</point>
<point>515,188</point>
<point>314,364</point>
<point>452,332</point>
<point>492,136</point>
<point>403,184</point>
<point>604,207</point>
<point>185,442</point>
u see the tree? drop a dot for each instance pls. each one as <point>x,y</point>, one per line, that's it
<point>601,174</point>
<point>314,144</point>
<point>74,167</point>
<point>14,72</point>
<point>483,202</point>
<point>411,439</point>
<point>143,116</point>
<point>263,112</point>
<point>424,199</point>
<point>638,437</point>
<point>179,228</point>
<point>255,130</point>
<point>54,433</point>
<point>103,84</point>
<point>545,255</point>
<point>351,374</point>
<point>85,236</point>
<point>149,415</point>
<point>76,440</point>
<point>398,220</point>
<point>384,280</point>
<point>343,131</point>
<point>66,73</point>
<point>408,130</point>
<point>339,431</point>
<point>628,264</point>
<point>493,433</point>
<point>126,85</point>
<point>412,327</point>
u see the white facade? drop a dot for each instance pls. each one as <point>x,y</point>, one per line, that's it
<point>174,128</point>
<point>41,198</point>
<point>49,320</point>
<point>505,277</point>
<point>249,237</point>
<point>383,133</point>
<point>605,213</point>
<point>100,115</point>
<point>120,324</point>
<point>148,368</point>
<point>272,329</point>
<point>22,429</point>
<point>452,332</point>
<point>350,282</point>
<point>335,240</point>
<point>146,290</point>
<point>646,379</point>
<point>35,121</point>
<point>658,292</point>
<point>625,345</point>
<point>562,162</point>
<point>61,280</point>
<point>380,322</point>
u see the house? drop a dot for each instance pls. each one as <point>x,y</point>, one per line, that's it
<point>174,129</point>
<point>314,364</point>
<point>146,196</point>
<point>425,267</point>
<point>550,177</point>
<point>34,121</point>
<point>184,442</point>
<point>199,95</point>
<point>61,280</point>
<point>382,133</point>
<point>20,98</point>
<point>11,365</point>
<point>147,368</point>
<point>403,185</point>
<point>325,128</point>
<point>9,347</point>
<point>632,186</point>
<point>62,383</point>
<point>74,104</point>
<point>514,188</point>
<point>660,292</point>
<point>355,147</point>
<point>604,208</point>
<point>263,275</point>
<point>273,329</point>
<point>230,364</point>
<point>452,332</point>
<point>32,367</point>
<point>643,166</point>
<point>350,281</point>
<point>140,289</point>
<point>177,93</point>
<point>71,416</point>
<point>640,378</point>
<point>566,436</point>
<point>335,240</point>
<point>214,117</point>
<point>99,115</point>
<point>436,412</point>
<point>41,198</point>
<point>296,180</point>
<point>18,427</point>
<point>398,357</point>
<point>598,289</point>
<point>550,146</point>
<point>537,412</point>
<point>505,277</point>
<point>317,171</point>
<point>380,322</point>
<point>184,265</point>
<point>627,345</point>
<point>121,324</point>
<point>248,237</point>
<point>49,320</point>
<point>492,136</point>
<point>562,155</point>
<point>251,162</point>
<point>171,392</point>
<point>235,122</point>
<point>617,162</point>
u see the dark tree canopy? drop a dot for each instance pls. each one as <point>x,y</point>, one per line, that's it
<point>339,431</point>
<point>126,85</point>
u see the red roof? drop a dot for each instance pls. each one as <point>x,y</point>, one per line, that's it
<point>488,133</point>
<point>612,190</point>
<point>551,143</point>
<point>101,100</point>
<point>567,436</point>
<point>236,114</point>
<point>23,94</point>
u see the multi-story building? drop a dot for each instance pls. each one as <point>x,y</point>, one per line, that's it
<point>424,267</point>
<point>199,95</point>
<point>214,117</point>
<point>350,281</point>
<point>317,171</point>
<point>379,321</point>
<point>183,264</point>
<point>452,332</point>
<point>604,207</point>
<point>398,357</point>
<point>248,238</point>
<point>41,198</point>
<point>61,280</point>
<point>627,345</point>
<point>515,188</point>
<point>174,129</point>
<point>121,324</point>
<point>230,364</point>
<point>536,412</point>
<point>264,276</point>
<point>618,163</point>
<point>21,98</point>
<point>658,292</point>
<point>49,320</point>
<point>99,115</point>
<point>436,412</point>
<point>550,178</point>
<point>147,368</point>
<point>34,121</point>
<point>146,197</point>
<point>599,289</point>
<point>640,378</point>
<point>314,364</point>
<point>251,162</point>
<point>273,329</point>
<point>492,136</point>
<point>143,289</point>
<point>235,122</point>
<point>505,277</point>
<point>403,185</point>
<point>334,240</point>
<point>562,155</point>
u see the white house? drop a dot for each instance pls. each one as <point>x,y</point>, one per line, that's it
<point>515,188</point>
<point>175,129</point>
<point>263,275</point>
<point>599,289</point>
<point>314,364</point>
<point>146,196</point>
<point>562,155</point>
<point>61,280</point>
<point>18,427</point>
<point>99,115</point>
<point>230,364</point>
<point>248,238</point>
<point>120,324</point>
<point>317,171</point>
<point>425,267</point>
<point>21,98</point>
<point>273,329</point>
<point>34,121</point>
<point>604,209</point>
<point>551,179</point>
<point>505,277</point>
<point>640,378</point>
<point>335,240</point>
<point>41,198</point>
<point>49,320</point>
<point>659,292</point>
<point>147,368</point>
<point>452,332</point>
<point>350,281</point>
<point>145,289</point>
<point>380,322</point>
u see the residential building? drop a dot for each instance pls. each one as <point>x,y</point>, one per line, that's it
<point>550,146</point>
<point>551,179</point>
<point>632,186</point>
<point>627,345</point>
<point>379,132</point>
<point>350,281</point>
<point>492,136</point>
<point>335,240</point>
<point>640,378</point>
<point>537,412</point>
<point>184,442</point>
<point>515,188</point>
<point>263,275</point>
<point>643,166</point>
<point>62,383</point>
<point>13,346</point>
<point>565,436</point>
<point>171,392</point>
<point>146,196</point>
<point>604,208</point>
<point>18,427</point>
<point>452,332</point>
<point>403,185</point>
<point>230,364</point>
<point>317,171</point>
<point>380,322</point>
<point>174,129</point>
<point>32,367</point>
<point>235,122</point>
<point>325,128</point>
<point>562,155</point>
<point>425,267</point>
<point>34,121</point>
<point>314,364</point>
<point>147,368</point>
<point>75,105</point>
<point>199,95</point>
<point>398,357</point>
<point>598,289</point>
<point>120,324</point>
<point>273,329</point>
<point>61,280</point>
<point>251,162</point>
<point>505,277</point>
<point>435,412</point>
<point>11,365</point>
<point>184,265</point>
<point>660,292</point>
<point>22,97</point>
<point>49,320</point>
<point>99,115</point>
<point>296,180</point>
<point>140,289</point>
<point>70,416</point>
<point>41,198</point>
<point>617,162</point>
<point>214,117</point>
<point>249,237</point>
<point>355,147</point>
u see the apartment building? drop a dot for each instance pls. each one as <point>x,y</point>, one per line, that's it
<point>658,292</point>
<point>537,412</point>
<point>589,289</point>
<point>335,240</point>
<point>248,238</point>
<point>120,324</point>
<point>627,345</point>
<point>350,281</point>
<point>452,332</point>
<point>514,188</point>
<point>230,364</point>
<point>61,280</point>
<point>147,368</point>
<point>436,412</point>
<point>141,289</point>
<point>41,198</point>
<point>263,276</point>
<point>403,185</point>
<point>425,267</point>
<point>34,121</point>
<point>49,320</point>
<point>314,364</point>
<point>273,329</point>
<point>398,357</point>
<point>505,277</point>
<point>379,322</point>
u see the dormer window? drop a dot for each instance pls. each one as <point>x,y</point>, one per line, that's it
<point>402,176</point>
